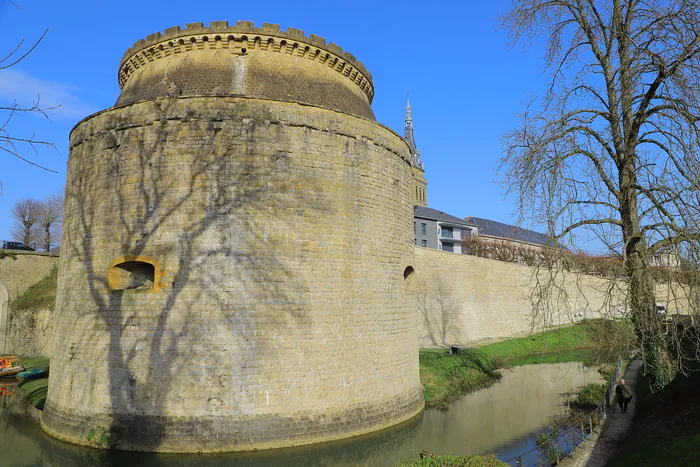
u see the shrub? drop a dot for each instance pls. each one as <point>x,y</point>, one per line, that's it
<point>590,396</point>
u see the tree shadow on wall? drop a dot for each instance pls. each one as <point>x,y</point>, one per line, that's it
<point>195,196</point>
<point>439,312</point>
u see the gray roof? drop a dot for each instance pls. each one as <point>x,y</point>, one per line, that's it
<point>500,230</point>
<point>435,215</point>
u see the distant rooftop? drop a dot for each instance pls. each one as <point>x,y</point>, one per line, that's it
<point>435,215</point>
<point>498,229</point>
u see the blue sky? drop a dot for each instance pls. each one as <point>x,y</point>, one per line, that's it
<point>466,84</point>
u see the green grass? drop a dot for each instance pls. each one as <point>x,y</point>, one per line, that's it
<point>583,335</point>
<point>39,296</point>
<point>452,461</point>
<point>446,377</point>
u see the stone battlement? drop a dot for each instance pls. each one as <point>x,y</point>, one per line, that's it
<point>242,39</point>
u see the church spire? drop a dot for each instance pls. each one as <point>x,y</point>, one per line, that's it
<point>408,136</point>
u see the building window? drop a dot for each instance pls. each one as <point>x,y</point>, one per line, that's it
<point>446,232</point>
<point>424,242</point>
<point>448,247</point>
<point>423,229</point>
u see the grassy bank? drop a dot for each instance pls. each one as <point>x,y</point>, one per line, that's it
<point>446,377</point>
<point>39,296</point>
<point>452,461</point>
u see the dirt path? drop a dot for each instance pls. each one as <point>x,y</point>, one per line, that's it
<point>597,451</point>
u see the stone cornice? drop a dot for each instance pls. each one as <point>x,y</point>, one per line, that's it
<point>242,38</point>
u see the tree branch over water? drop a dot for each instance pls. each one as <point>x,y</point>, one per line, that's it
<point>613,145</point>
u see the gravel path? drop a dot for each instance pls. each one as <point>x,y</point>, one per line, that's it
<point>598,450</point>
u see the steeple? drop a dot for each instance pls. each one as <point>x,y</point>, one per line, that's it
<point>420,184</point>
<point>408,136</point>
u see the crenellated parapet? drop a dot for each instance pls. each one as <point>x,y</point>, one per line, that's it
<point>238,41</point>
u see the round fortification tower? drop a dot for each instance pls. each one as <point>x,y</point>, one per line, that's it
<point>223,281</point>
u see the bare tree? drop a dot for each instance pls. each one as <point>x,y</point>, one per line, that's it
<point>27,214</point>
<point>613,147</point>
<point>50,218</point>
<point>10,142</point>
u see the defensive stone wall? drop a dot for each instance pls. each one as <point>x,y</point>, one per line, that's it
<point>463,299</point>
<point>244,60</point>
<point>22,269</point>
<point>27,333</point>
<point>222,286</point>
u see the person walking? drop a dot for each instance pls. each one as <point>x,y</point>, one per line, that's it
<point>623,395</point>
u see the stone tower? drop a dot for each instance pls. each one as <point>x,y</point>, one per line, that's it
<point>222,284</point>
<point>420,184</point>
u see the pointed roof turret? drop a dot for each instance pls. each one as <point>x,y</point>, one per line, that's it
<point>408,136</point>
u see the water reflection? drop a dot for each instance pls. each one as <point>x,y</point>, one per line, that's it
<point>503,418</point>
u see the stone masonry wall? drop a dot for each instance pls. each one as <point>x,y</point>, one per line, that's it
<point>29,332</point>
<point>24,332</point>
<point>464,298</point>
<point>234,60</point>
<point>276,314</point>
<point>23,269</point>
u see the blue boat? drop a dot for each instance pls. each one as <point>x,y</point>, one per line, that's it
<point>34,373</point>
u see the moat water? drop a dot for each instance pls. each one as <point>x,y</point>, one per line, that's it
<point>505,419</point>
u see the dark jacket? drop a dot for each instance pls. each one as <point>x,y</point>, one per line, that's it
<point>622,392</point>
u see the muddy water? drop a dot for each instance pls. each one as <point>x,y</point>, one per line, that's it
<point>504,418</point>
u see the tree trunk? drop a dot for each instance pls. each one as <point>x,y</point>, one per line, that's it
<point>27,237</point>
<point>658,364</point>
<point>47,237</point>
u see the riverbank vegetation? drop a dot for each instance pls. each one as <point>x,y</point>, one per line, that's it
<point>488,460</point>
<point>39,296</point>
<point>446,377</point>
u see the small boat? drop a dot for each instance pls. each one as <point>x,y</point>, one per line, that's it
<point>34,373</point>
<point>11,371</point>
<point>7,361</point>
